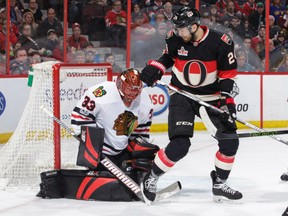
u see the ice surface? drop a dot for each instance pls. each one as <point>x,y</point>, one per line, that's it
<point>256,173</point>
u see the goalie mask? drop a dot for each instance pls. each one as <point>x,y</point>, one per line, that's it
<point>129,85</point>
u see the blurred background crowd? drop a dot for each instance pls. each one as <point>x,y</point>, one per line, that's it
<point>97,31</point>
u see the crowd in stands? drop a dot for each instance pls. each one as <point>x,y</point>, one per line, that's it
<point>35,37</point>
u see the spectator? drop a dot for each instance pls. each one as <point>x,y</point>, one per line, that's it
<point>251,56</point>
<point>159,18</point>
<point>50,42</point>
<point>222,6</point>
<point>89,56</point>
<point>28,18</point>
<point>76,40</point>
<point>154,6</point>
<point>230,12</point>
<point>272,27</point>
<point>21,64</point>
<point>3,39</point>
<point>184,3</point>
<point>75,12</point>
<point>58,52</point>
<point>283,20</point>
<point>242,64</point>
<point>80,57</point>
<point>2,14</point>
<point>248,7</point>
<point>29,43</point>
<point>35,58</point>
<point>136,11</point>
<point>158,41</point>
<point>213,10</point>
<point>141,36</point>
<point>276,9</point>
<point>116,24</point>
<point>168,14</point>
<point>37,13</point>
<point>275,57</point>
<point>244,30</point>
<point>257,17</point>
<point>51,22</point>
<point>15,12</point>
<point>283,67</point>
<point>259,39</point>
<point>110,58</point>
<point>88,46</point>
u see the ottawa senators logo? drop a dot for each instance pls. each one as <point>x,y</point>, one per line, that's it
<point>99,92</point>
<point>226,39</point>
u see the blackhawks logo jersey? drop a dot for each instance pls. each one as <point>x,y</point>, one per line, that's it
<point>200,67</point>
<point>100,106</point>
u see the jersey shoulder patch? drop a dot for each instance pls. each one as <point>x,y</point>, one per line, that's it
<point>227,39</point>
<point>169,34</point>
<point>99,92</point>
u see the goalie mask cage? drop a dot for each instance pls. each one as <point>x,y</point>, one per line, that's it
<point>35,145</point>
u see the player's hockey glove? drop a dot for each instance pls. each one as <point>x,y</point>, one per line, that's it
<point>228,105</point>
<point>125,123</point>
<point>152,72</point>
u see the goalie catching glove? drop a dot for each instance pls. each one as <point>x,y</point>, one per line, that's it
<point>125,123</point>
<point>152,72</point>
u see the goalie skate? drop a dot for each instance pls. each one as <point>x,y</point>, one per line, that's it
<point>222,192</point>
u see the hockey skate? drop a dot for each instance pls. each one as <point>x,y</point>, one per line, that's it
<point>149,187</point>
<point>222,192</point>
<point>284,176</point>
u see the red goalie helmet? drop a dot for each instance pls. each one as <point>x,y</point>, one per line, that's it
<point>129,85</point>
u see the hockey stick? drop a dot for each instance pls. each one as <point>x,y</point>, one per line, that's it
<point>266,133</point>
<point>193,97</point>
<point>117,172</point>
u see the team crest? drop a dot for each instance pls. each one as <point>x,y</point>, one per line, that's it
<point>226,38</point>
<point>182,52</point>
<point>99,92</point>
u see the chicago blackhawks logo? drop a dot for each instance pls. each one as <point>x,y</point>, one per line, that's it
<point>99,92</point>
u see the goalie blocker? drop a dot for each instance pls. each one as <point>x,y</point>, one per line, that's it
<point>96,183</point>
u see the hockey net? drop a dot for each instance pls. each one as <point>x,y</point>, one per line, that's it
<point>38,143</point>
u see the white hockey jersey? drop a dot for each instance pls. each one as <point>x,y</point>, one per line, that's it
<point>100,106</point>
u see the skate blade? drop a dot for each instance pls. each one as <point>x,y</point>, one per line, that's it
<point>222,199</point>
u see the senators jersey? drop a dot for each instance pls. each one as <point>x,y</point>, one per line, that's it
<point>203,68</point>
<point>101,105</point>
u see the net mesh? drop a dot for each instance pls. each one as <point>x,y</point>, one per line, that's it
<point>30,150</point>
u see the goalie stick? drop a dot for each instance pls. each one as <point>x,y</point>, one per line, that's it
<point>118,173</point>
<point>203,103</point>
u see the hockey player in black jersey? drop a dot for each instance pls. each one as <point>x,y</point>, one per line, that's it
<point>203,63</point>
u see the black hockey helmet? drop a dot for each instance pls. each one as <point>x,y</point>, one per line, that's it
<point>186,16</point>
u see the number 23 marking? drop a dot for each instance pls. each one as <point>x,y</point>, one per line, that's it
<point>89,104</point>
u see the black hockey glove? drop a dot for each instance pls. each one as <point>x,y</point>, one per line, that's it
<point>228,105</point>
<point>152,72</point>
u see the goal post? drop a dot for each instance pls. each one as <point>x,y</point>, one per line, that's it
<point>38,143</point>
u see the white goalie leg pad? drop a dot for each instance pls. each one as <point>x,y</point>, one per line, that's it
<point>162,161</point>
<point>207,121</point>
<point>224,162</point>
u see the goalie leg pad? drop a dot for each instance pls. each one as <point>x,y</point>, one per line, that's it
<point>90,147</point>
<point>94,185</point>
<point>51,185</point>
